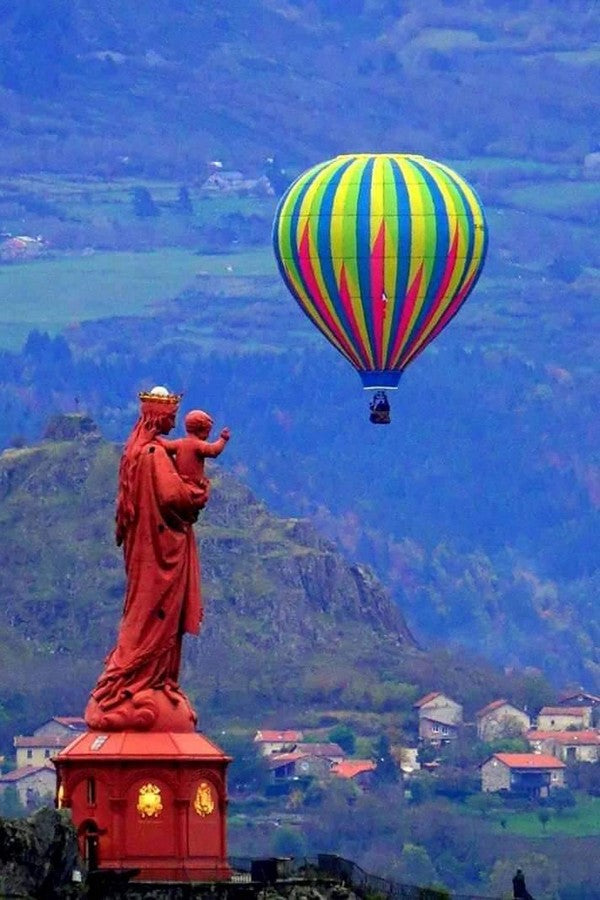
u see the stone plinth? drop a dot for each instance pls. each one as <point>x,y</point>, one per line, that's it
<point>154,802</point>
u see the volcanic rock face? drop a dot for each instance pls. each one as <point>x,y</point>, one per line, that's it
<point>280,601</point>
<point>38,857</point>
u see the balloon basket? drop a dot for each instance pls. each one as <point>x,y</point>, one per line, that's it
<point>379,409</point>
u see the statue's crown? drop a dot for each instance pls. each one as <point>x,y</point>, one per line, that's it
<point>160,395</point>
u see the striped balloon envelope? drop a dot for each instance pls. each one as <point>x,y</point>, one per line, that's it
<point>380,251</point>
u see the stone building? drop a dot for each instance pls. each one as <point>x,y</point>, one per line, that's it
<point>570,746</point>
<point>47,740</point>
<point>31,783</point>
<point>534,774</point>
<point>440,718</point>
<point>501,719</point>
<point>559,718</point>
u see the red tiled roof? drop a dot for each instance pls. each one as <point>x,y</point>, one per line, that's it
<point>350,768</point>
<point>565,737</point>
<point>426,699</point>
<point>529,760</point>
<point>56,741</point>
<point>142,745</point>
<point>495,704</point>
<point>23,772</point>
<point>563,711</point>
<point>287,737</point>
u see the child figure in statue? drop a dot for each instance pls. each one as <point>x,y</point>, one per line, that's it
<point>190,452</point>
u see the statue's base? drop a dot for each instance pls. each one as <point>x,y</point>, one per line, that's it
<point>154,802</point>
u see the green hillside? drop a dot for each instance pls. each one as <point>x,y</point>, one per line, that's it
<point>162,87</point>
<point>290,628</point>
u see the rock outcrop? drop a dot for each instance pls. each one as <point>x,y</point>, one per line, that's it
<point>38,857</point>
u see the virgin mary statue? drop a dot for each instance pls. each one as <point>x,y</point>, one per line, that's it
<point>156,509</point>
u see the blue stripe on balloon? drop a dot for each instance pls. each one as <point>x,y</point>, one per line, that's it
<point>442,245</point>
<point>363,244</point>
<point>404,249</point>
<point>470,228</point>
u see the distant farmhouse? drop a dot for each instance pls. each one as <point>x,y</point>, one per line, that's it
<point>440,718</point>
<point>20,248</point>
<point>500,719</point>
<point>560,718</point>
<point>277,741</point>
<point>533,774</point>
<point>47,740</point>
<point>30,783</point>
<point>570,746</point>
<point>34,775</point>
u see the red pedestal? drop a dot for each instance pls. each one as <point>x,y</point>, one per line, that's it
<point>150,801</point>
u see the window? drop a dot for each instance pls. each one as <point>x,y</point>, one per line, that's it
<point>30,754</point>
<point>47,754</point>
<point>91,791</point>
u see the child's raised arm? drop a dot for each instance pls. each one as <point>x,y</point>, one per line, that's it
<point>213,448</point>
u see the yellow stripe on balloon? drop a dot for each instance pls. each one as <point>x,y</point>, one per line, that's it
<point>478,226</point>
<point>450,199</point>
<point>309,214</point>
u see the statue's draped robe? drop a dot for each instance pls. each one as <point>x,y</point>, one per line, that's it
<point>163,598</point>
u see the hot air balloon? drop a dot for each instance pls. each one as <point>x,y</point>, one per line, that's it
<point>380,251</point>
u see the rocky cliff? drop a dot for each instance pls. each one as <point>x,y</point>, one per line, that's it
<point>282,607</point>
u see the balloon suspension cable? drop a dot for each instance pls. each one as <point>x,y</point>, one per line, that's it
<point>380,409</point>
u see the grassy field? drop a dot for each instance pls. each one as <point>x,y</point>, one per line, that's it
<point>581,821</point>
<point>555,198</point>
<point>48,294</point>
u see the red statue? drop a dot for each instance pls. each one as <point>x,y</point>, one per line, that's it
<point>190,452</point>
<point>156,508</point>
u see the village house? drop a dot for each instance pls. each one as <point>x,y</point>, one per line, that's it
<point>534,774</point>
<point>332,752</point>
<point>582,698</point>
<point>570,746</point>
<point>225,182</point>
<point>440,718</point>
<point>31,783</point>
<point>359,771</point>
<point>298,765</point>
<point>47,740</point>
<point>277,741</point>
<point>501,719</point>
<point>20,248</point>
<point>560,718</point>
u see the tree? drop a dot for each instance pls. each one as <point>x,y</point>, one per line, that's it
<point>289,842</point>
<point>544,817</point>
<point>10,804</point>
<point>184,201</point>
<point>562,799</point>
<point>386,771</point>
<point>248,771</point>
<point>416,865</point>
<point>143,204</point>
<point>345,737</point>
